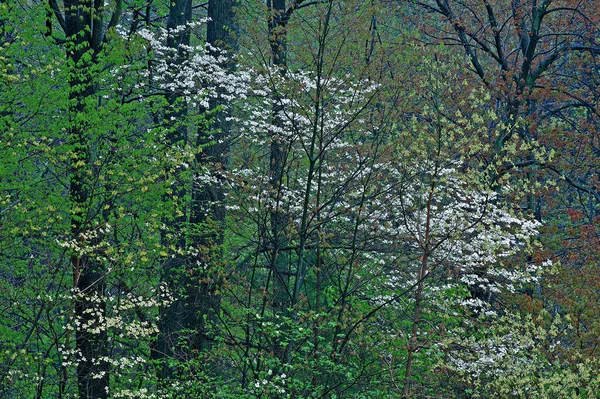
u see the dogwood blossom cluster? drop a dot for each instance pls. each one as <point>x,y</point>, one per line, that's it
<point>462,229</point>
<point>310,120</point>
<point>123,316</point>
<point>199,76</point>
<point>511,357</point>
<point>270,384</point>
<point>289,107</point>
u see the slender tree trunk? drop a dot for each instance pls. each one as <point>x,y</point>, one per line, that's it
<point>413,344</point>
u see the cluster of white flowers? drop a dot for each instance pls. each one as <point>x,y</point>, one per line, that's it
<point>89,242</point>
<point>112,314</point>
<point>142,393</point>
<point>197,78</point>
<point>511,346</point>
<point>270,383</point>
<point>463,229</point>
<point>311,120</point>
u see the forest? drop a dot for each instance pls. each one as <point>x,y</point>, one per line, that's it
<point>323,199</point>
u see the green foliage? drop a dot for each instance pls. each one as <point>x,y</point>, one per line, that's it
<point>377,242</point>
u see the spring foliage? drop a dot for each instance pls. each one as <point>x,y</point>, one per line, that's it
<point>375,243</point>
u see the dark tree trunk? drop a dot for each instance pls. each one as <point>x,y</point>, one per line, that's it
<point>220,28</point>
<point>84,40</point>
<point>179,318</point>
<point>207,217</point>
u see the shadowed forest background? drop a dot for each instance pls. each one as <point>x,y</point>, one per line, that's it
<point>299,199</point>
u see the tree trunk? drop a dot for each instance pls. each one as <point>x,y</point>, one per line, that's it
<point>207,212</point>
<point>91,342</point>
<point>179,318</point>
<point>280,268</point>
<point>220,28</point>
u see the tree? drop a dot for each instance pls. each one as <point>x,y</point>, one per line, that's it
<point>88,182</point>
<point>199,85</point>
<point>539,61</point>
<point>178,320</point>
<point>208,210</point>
<point>82,23</point>
<point>185,326</point>
<point>112,155</point>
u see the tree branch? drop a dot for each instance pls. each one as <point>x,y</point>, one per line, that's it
<point>59,16</point>
<point>114,19</point>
